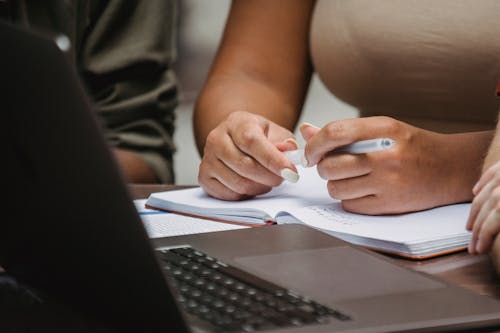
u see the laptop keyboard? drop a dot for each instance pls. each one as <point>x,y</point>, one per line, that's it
<point>233,300</point>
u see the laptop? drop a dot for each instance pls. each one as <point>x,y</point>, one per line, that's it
<point>77,237</point>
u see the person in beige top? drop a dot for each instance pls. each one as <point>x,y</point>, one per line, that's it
<point>421,73</point>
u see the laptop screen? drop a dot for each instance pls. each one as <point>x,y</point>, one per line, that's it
<point>73,232</point>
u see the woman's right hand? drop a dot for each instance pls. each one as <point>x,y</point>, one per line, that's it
<point>243,157</point>
<point>484,218</point>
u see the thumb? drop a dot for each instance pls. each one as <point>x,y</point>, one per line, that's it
<point>308,130</point>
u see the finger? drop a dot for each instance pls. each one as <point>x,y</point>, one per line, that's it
<point>342,166</point>
<point>240,184</point>
<point>234,186</point>
<point>472,215</point>
<point>487,177</point>
<point>216,189</point>
<point>245,165</point>
<point>212,186</point>
<point>350,188</point>
<point>308,130</point>
<point>342,132</point>
<point>253,143</point>
<point>478,203</point>
<point>489,230</point>
<point>481,216</point>
<point>369,205</point>
<point>288,144</point>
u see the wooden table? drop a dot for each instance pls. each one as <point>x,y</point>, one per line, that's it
<point>474,272</point>
<point>469,271</point>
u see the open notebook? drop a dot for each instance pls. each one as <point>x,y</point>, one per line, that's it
<point>416,235</point>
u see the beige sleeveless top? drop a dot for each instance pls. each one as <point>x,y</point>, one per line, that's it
<point>432,63</point>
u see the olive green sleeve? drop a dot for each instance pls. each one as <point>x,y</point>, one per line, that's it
<point>125,56</point>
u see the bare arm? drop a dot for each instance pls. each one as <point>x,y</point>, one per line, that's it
<point>262,65</point>
<point>423,170</point>
<point>134,168</point>
<point>253,97</point>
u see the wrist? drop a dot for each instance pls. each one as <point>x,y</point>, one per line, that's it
<point>463,173</point>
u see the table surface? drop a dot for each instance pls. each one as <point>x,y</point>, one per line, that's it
<point>474,272</point>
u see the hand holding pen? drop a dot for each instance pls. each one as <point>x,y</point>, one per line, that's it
<point>413,170</point>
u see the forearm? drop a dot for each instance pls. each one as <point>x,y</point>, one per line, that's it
<point>224,95</point>
<point>134,168</point>
<point>465,157</point>
<point>262,65</point>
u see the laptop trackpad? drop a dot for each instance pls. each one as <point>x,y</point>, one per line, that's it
<point>339,273</point>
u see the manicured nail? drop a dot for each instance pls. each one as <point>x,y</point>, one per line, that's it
<point>290,175</point>
<point>293,142</point>
<point>301,127</point>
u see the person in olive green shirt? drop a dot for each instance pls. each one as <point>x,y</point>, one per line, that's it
<point>124,51</point>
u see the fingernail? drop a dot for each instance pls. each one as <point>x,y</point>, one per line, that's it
<point>301,127</point>
<point>290,175</point>
<point>293,141</point>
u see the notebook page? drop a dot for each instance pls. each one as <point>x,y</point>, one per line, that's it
<point>438,223</point>
<point>162,224</point>
<point>309,190</point>
<point>166,225</point>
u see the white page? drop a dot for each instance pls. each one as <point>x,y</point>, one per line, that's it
<point>162,224</point>
<point>448,221</point>
<point>309,201</point>
<point>166,225</point>
<point>309,190</point>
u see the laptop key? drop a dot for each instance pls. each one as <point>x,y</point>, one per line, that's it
<point>233,300</point>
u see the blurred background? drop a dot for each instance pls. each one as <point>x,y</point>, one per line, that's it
<point>201,24</point>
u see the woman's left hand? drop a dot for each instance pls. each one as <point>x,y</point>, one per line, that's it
<point>422,170</point>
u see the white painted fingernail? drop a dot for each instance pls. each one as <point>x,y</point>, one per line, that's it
<point>289,175</point>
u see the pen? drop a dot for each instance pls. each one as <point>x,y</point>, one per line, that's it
<point>359,147</point>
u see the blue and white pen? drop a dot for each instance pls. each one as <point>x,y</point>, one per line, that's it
<point>359,147</point>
